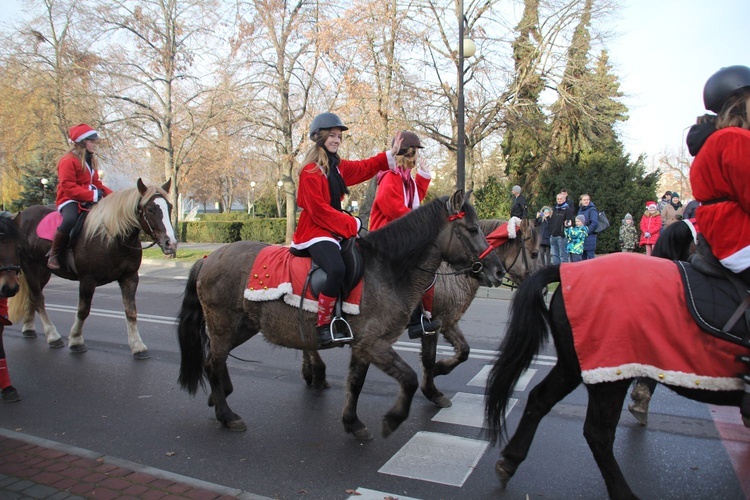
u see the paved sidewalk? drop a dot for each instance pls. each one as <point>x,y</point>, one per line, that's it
<point>35,468</point>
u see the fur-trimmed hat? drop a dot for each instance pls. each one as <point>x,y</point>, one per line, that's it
<point>81,132</point>
<point>650,203</point>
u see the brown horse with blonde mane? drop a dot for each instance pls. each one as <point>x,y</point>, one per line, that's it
<point>108,249</point>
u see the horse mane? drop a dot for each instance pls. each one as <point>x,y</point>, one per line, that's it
<point>674,242</point>
<point>402,242</point>
<point>116,215</point>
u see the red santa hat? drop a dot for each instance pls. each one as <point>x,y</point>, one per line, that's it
<point>649,203</point>
<point>502,234</point>
<point>81,132</point>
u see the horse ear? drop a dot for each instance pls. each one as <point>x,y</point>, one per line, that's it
<point>467,198</point>
<point>457,201</point>
<point>141,186</point>
<point>167,185</point>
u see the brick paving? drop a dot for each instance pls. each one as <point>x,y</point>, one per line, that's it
<point>35,468</point>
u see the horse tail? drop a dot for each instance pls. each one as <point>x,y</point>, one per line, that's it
<point>17,303</point>
<point>526,335</point>
<point>192,335</point>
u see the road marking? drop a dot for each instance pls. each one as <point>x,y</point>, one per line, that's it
<point>437,458</point>
<point>467,410</point>
<point>480,379</point>
<point>107,313</point>
<point>365,494</point>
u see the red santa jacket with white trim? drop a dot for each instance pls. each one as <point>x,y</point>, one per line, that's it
<point>390,201</point>
<point>319,221</point>
<point>721,171</point>
<point>75,182</point>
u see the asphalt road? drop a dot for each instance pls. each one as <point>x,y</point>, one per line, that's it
<point>295,446</point>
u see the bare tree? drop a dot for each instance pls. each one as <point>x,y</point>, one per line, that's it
<point>157,77</point>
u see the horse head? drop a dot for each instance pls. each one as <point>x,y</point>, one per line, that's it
<point>9,258</point>
<point>154,216</point>
<point>526,260</point>
<point>464,226</point>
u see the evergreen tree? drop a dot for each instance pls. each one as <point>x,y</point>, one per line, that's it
<point>33,191</point>
<point>523,141</point>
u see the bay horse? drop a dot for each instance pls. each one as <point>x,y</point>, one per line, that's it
<point>108,249</point>
<point>454,293</point>
<point>400,261</point>
<point>676,242</point>
<point>598,334</point>
<point>9,286</point>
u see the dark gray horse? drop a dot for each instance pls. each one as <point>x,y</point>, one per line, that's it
<point>454,293</point>
<point>400,262</point>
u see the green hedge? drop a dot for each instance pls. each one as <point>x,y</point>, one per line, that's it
<point>258,229</point>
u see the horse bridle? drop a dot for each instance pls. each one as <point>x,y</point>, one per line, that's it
<point>142,218</point>
<point>476,265</point>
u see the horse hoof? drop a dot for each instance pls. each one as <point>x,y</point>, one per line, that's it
<point>237,426</point>
<point>502,474</point>
<point>389,426</point>
<point>29,334</point>
<point>441,401</point>
<point>79,348</point>
<point>640,415</point>
<point>362,434</point>
<point>141,355</point>
<point>10,395</point>
<point>57,344</point>
<point>321,384</point>
<point>746,421</point>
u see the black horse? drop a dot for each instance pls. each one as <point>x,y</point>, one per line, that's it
<point>596,330</point>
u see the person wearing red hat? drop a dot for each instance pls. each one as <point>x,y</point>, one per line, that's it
<point>78,182</point>
<point>650,226</point>
<point>323,182</point>
<point>398,194</point>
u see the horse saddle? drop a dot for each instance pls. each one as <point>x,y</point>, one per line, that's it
<point>353,263</point>
<point>717,299</point>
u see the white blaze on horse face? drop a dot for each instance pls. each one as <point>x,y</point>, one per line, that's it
<point>162,204</point>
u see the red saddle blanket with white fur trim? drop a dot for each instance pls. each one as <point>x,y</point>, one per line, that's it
<point>630,319</point>
<point>276,274</point>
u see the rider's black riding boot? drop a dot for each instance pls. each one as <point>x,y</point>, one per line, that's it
<point>745,404</point>
<point>326,339</point>
<point>59,242</point>
<point>419,324</point>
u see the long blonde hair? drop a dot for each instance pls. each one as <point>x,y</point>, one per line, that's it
<point>317,154</point>
<point>734,112</point>
<point>407,160</point>
<point>79,149</point>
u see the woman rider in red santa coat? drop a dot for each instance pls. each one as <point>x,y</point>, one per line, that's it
<point>323,182</point>
<point>720,175</point>
<point>398,194</point>
<point>77,182</point>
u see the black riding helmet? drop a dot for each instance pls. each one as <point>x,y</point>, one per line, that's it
<point>723,84</point>
<point>325,121</point>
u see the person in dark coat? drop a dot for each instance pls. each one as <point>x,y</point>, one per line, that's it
<point>690,208</point>
<point>589,211</point>
<point>518,209</point>
<point>542,224</point>
<point>562,217</point>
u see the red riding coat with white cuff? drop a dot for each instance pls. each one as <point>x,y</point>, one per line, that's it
<point>391,201</point>
<point>319,221</point>
<point>720,177</point>
<point>76,183</point>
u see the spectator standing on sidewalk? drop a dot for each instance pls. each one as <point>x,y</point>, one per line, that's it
<point>558,242</point>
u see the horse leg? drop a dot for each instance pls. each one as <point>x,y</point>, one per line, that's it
<point>602,415</point>
<point>7,391</point>
<point>32,297</point>
<point>455,337</point>
<point>314,370</point>
<point>355,381</point>
<point>641,396</point>
<point>556,385</point>
<point>128,286</point>
<point>393,365</point>
<point>85,294</point>
<point>221,326</point>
